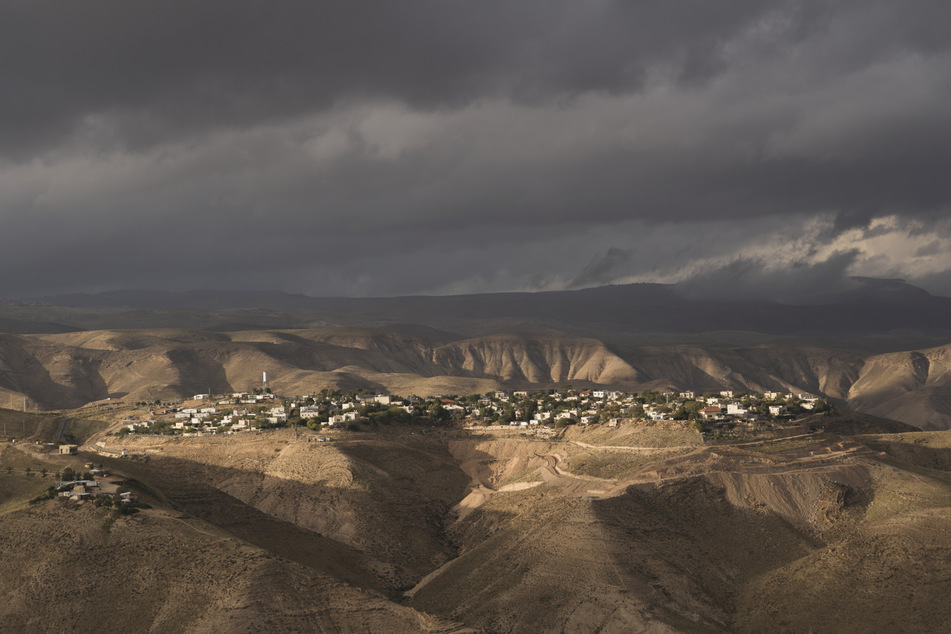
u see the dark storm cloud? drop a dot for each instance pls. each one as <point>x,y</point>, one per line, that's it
<point>936,283</point>
<point>441,146</point>
<point>167,67</point>
<point>748,278</point>
<point>603,270</point>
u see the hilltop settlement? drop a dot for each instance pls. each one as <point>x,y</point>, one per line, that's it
<point>721,414</point>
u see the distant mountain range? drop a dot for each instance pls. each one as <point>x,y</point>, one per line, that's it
<point>870,307</point>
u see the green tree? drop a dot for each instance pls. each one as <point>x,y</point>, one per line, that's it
<point>438,413</point>
<point>691,410</point>
<point>529,409</point>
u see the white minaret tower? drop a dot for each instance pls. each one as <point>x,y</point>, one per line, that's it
<point>264,378</point>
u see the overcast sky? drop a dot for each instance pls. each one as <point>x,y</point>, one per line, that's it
<point>372,147</point>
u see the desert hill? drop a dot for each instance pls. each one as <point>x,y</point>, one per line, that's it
<point>643,527</point>
<point>640,528</point>
<point>71,369</point>
<point>65,570</point>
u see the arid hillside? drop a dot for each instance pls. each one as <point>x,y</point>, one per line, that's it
<point>73,570</point>
<point>71,369</point>
<point>635,528</point>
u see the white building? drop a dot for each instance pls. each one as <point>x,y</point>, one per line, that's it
<point>735,409</point>
<point>309,411</point>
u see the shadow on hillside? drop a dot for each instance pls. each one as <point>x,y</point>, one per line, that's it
<point>394,513</point>
<point>199,373</point>
<point>913,454</point>
<point>199,499</point>
<point>81,382</point>
<point>687,547</point>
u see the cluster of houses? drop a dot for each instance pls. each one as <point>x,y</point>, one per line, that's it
<point>609,407</point>
<point>243,412</point>
<point>247,412</point>
<point>728,405</point>
<point>90,486</point>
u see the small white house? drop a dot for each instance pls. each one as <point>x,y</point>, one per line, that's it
<point>735,409</point>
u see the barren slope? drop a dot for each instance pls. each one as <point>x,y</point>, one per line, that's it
<point>707,540</point>
<point>68,370</point>
<point>67,569</point>
<point>353,492</point>
<point>634,529</point>
<point>907,386</point>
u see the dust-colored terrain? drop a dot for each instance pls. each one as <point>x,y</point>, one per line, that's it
<point>68,568</point>
<point>349,495</point>
<point>639,528</point>
<point>72,369</point>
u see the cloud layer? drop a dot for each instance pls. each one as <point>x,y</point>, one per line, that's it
<point>379,148</point>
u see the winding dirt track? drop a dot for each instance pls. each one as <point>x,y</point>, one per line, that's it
<point>628,449</point>
<point>550,472</point>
